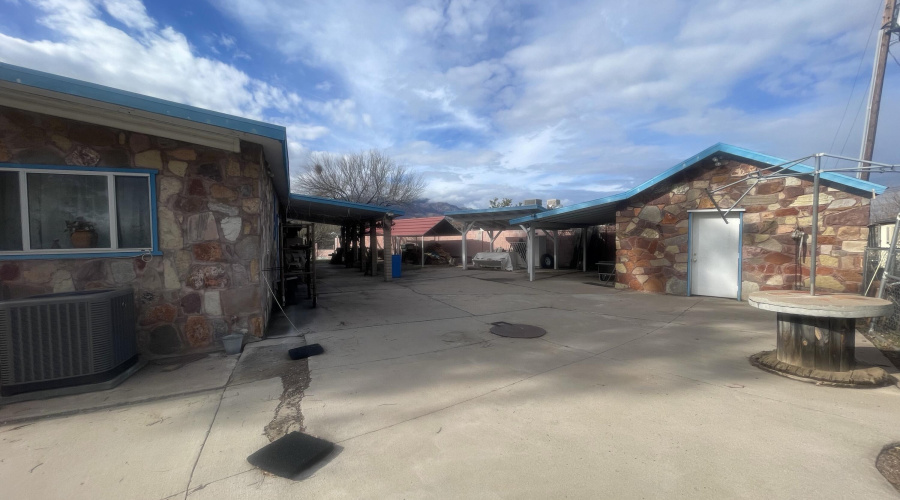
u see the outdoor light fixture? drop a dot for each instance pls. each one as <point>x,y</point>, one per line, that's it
<point>716,161</point>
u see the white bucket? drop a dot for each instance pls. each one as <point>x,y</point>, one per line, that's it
<point>233,343</point>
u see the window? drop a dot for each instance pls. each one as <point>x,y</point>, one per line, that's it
<point>62,211</point>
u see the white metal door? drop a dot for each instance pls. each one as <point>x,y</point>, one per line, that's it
<point>715,254</point>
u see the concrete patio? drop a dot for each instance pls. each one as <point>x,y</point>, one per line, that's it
<point>628,395</point>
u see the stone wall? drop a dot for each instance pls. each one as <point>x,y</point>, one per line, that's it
<point>215,213</point>
<point>652,232</point>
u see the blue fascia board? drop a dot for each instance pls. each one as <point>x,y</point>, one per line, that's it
<point>346,204</point>
<point>494,210</point>
<point>287,168</point>
<point>845,180</point>
<point>718,148</point>
<point>578,206</point>
<point>65,85</point>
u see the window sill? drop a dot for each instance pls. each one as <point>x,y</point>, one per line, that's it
<point>78,255</point>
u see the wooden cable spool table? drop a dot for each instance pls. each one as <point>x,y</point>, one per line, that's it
<point>818,331</point>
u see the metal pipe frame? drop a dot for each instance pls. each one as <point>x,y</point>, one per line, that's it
<point>814,233</point>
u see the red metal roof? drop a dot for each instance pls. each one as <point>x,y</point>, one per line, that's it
<point>422,226</point>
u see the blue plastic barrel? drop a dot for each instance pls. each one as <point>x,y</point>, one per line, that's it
<point>396,263</point>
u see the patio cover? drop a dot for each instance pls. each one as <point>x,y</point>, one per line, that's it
<point>337,212</point>
<point>340,213</point>
<point>490,220</point>
<point>494,219</point>
<point>420,227</point>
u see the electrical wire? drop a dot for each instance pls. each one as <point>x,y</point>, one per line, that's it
<point>894,58</point>
<point>275,298</point>
<point>862,58</point>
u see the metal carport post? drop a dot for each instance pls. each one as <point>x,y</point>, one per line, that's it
<point>529,252</point>
<point>465,232</point>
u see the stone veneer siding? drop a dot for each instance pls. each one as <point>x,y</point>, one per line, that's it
<point>652,232</point>
<point>215,212</point>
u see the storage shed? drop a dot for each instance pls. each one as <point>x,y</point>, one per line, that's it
<point>671,238</point>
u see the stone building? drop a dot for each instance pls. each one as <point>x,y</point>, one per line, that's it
<point>671,239</point>
<point>177,202</point>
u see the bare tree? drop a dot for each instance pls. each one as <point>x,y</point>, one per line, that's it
<point>370,177</point>
<point>505,202</point>
<point>326,234</point>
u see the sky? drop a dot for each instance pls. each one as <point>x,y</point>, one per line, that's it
<point>492,98</point>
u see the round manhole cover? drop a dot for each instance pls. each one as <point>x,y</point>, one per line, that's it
<point>505,329</point>
<point>888,464</point>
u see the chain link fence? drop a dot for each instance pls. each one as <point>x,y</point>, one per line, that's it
<point>873,273</point>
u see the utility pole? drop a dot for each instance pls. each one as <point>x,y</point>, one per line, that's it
<point>888,27</point>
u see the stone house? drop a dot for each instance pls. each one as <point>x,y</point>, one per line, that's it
<point>671,239</point>
<point>179,203</point>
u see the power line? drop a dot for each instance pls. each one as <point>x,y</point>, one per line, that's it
<point>862,58</point>
<point>850,97</point>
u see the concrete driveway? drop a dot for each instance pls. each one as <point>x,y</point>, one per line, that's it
<point>627,396</point>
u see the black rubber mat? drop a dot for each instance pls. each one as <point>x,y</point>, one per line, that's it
<point>305,351</point>
<point>505,329</point>
<point>290,455</point>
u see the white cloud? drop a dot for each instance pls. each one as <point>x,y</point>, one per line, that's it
<point>501,97</point>
<point>425,17</point>
<point>131,13</point>
<point>307,132</point>
<point>158,62</point>
<point>226,40</point>
<point>153,60</point>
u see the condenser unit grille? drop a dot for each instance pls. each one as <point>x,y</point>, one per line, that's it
<point>64,339</point>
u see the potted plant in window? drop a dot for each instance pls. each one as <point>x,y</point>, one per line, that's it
<point>82,233</point>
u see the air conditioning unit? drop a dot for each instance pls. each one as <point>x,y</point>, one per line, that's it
<point>532,202</point>
<point>66,339</point>
<point>554,203</point>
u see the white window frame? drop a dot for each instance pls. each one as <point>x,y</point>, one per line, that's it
<point>110,173</point>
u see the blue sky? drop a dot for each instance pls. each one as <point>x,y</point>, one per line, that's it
<point>573,100</point>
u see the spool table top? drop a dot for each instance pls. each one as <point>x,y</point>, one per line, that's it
<point>828,305</point>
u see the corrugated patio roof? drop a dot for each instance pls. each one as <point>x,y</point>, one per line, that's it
<point>603,210</point>
<point>494,218</point>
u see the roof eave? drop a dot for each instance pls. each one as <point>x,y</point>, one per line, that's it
<point>718,148</point>
<point>55,95</point>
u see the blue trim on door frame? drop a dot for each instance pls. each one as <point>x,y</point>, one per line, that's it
<point>740,251</point>
<point>690,237</point>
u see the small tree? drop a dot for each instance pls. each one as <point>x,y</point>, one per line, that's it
<point>370,177</point>
<point>498,203</point>
<point>325,235</point>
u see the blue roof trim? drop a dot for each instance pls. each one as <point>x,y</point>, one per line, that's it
<point>718,148</point>
<point>102,93</point>
<point>65,85</point>
<point>494,210</point>
<point>346,204</point>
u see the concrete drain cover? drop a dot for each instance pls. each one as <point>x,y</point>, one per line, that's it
<point>888,464</point>
<point>505,329</point>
